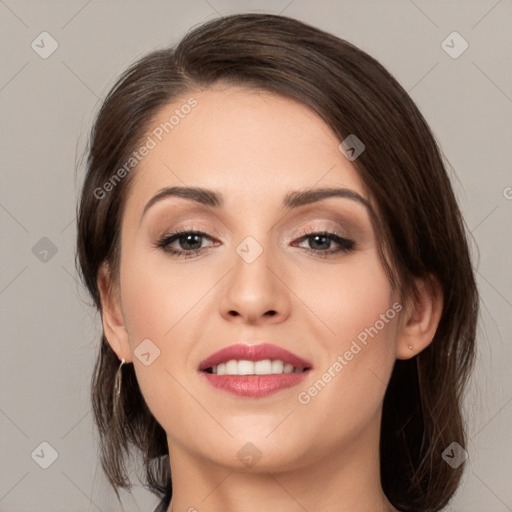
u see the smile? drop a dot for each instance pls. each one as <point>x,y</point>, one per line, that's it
<point>254,370</point>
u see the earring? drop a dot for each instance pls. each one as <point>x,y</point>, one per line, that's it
<point>117,386</point>
<point>410,346</point>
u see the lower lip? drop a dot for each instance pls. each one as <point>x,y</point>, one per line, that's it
<point>255,386</point>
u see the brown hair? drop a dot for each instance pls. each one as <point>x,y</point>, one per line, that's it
<point>420,225</point>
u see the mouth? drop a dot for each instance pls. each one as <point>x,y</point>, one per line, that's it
<point>254,370</point>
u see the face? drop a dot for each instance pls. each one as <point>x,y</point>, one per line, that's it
<point>304,276</point>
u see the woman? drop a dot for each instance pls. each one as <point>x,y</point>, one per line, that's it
<point>288,304</point>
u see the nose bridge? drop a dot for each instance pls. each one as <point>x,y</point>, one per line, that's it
<point>251,265</point>
<point>253,289</point>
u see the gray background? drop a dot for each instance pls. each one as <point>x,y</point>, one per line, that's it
<point>49,331</point>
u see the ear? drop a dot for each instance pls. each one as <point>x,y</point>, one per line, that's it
<point>112,315</point>
<point>421,317</point>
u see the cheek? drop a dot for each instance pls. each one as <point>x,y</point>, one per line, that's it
<point>159,305</point>
<point>157,298</point>
<point>351,297</point>
<point>362,311</point>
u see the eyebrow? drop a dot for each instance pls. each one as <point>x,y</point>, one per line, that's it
<point>294,199</point>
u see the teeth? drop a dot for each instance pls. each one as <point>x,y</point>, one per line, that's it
<point>288,368</point>
<point>277,366</point>
<point>263,367</point>
<point>231,367</point>
<point>245,367</point>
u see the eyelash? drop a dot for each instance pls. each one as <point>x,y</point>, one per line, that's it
<point>345,244</point>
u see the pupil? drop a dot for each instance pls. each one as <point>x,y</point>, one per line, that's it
<point>187,242</point>
<point>321,237</point>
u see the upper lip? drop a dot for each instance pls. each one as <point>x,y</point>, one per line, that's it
<point>253,353</point>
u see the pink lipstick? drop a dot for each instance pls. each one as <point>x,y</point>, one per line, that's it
<point>254,370</point>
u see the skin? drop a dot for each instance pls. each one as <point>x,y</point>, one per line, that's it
<point>254,147</point>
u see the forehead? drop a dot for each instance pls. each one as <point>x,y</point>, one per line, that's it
<point>250,144</point>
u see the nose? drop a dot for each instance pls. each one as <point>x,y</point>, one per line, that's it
<point>255,292</point>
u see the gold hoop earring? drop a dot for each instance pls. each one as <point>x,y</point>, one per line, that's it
<point>117,387</point>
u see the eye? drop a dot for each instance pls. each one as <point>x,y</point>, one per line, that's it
<point>189,240</point>
<point>322,240</point>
